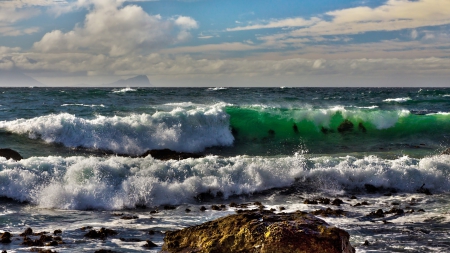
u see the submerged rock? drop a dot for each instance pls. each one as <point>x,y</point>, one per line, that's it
<point>255,231</point>
<point>345,126</point>
<point>167,154</point>
<point>446,152</point>
<point>10,154</point>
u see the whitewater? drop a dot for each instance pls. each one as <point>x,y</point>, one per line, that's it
<point>81,161</point>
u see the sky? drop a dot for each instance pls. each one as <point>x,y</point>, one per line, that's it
<point>228,42</point>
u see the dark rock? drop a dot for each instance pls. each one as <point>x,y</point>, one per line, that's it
<point>169,207</point>
<point>5,238</point>
<point>329,212</point>
<point>361,127</point>
<point>28,231</point>
<point>149,244</point>
<point>214,207</point>
<point>52,243</point>
<point>371,188</point>
<point>281,208</point>
<point>353,197</point>
<point>378,213</point>
<point>295,128</point>
<point>187,210</point>
<point>424,190</point>
<point>130,239</point>
<point>364,203</point>
<point>84,228</point>
<point>260,232</point>
<point>232,204</point>
<point>396,211</point>
<point>324,130</point>
<point>421,210</point>
<point>151,232</point>
<point>129,217</point>
<point>310,202</point>
<point>100,234</point>
<point>446,152</point>
<point>167,154</point>
<point>30,242</point>
<point>104,251</point>
<point>366,243</point>
<point>46,238</point>
<point>57,231</point>
<point>345,126</point>
<point>10,154</point>
<point>337,202</point>
<point>202,208</point>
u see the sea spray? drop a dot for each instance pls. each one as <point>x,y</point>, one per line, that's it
<point>119,182</point>
<point>181,129</point>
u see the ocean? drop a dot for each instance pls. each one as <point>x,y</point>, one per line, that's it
<point>372,148</point>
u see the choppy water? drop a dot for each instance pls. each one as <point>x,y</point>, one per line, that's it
<point>274,145</point>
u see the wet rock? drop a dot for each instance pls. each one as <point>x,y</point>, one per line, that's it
<point>446,152</point>
<point>52,243</point>
<point>215,208</point>
<point>378,213</point>
<point>364,203</point>
<point>104,251</point>
<point>28,231</point>
<point>10,154</point>
<point>30,242</point>
<point>371,188</point>
<point>260,232</point>
<point>169,207</point>
<point>57,231</point>
<point>329,212</point>
<point>396,211</point>
<point>187,210</point>
<point>84,228</point>
<point>424,190</point>
<point>345,126</point>
<point>361,127</point>
<point>295,128</point>
<point>421,210</point>
<point>353,197</point>
<point>202,208</point>
<point>310,202</point>
<point>5,238</point>
<point>129,217</point>
<point>39,250</point>
<point>100,234</point>
<point>46,238</point>
<point>149,244</point>
<point>130,239</point>
<point>366,243</point>
<point>337,202</point>
<point>167,154</point>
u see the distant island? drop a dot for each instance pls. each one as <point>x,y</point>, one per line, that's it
<point>15,78</point>
<point>141,80</point>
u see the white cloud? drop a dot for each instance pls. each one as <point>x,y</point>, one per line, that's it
<point>13,14</point>
<point>290,22</point>
<point>116,30</point>
<point>15,31</point>
<point>393,15</point>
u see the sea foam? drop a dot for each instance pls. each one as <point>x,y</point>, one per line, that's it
<point>120,182</point>
<point>181,129</point>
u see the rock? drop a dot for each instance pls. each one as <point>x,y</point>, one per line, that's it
<point>295,128</point>
<point>149,244</point>
<point>345,126</point>
<point>28,231</point>
<point>378,213</point>
<point>329,212</point>
<point>446,152</point>
<point>100,234</point>
<point>167,154</point>
<point>5,238</point>
<point>129,217</point>
<point>361,127</point>
<point>57,231</point>
<point>337,202</point>
<point>424,190</point>
<point>10,154</point>
<point>260,232</point>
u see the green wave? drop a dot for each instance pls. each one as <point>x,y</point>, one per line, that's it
<point>254,123</point>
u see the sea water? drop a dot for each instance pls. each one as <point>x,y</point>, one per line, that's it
<point>278,146</point>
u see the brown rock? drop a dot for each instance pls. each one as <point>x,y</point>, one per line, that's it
<point>260,232</point>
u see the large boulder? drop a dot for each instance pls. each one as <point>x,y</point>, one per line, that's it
<point>260,232</point>
<point>10,154</point>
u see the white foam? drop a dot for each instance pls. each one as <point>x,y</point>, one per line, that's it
<point>398,100</point>
<point>84,105</point>
<point>218,88</point>
<point>182,129</point>
<point>124,90</point>
<point>119,182</point>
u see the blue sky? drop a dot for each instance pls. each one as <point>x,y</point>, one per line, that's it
<point>228,42</point>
